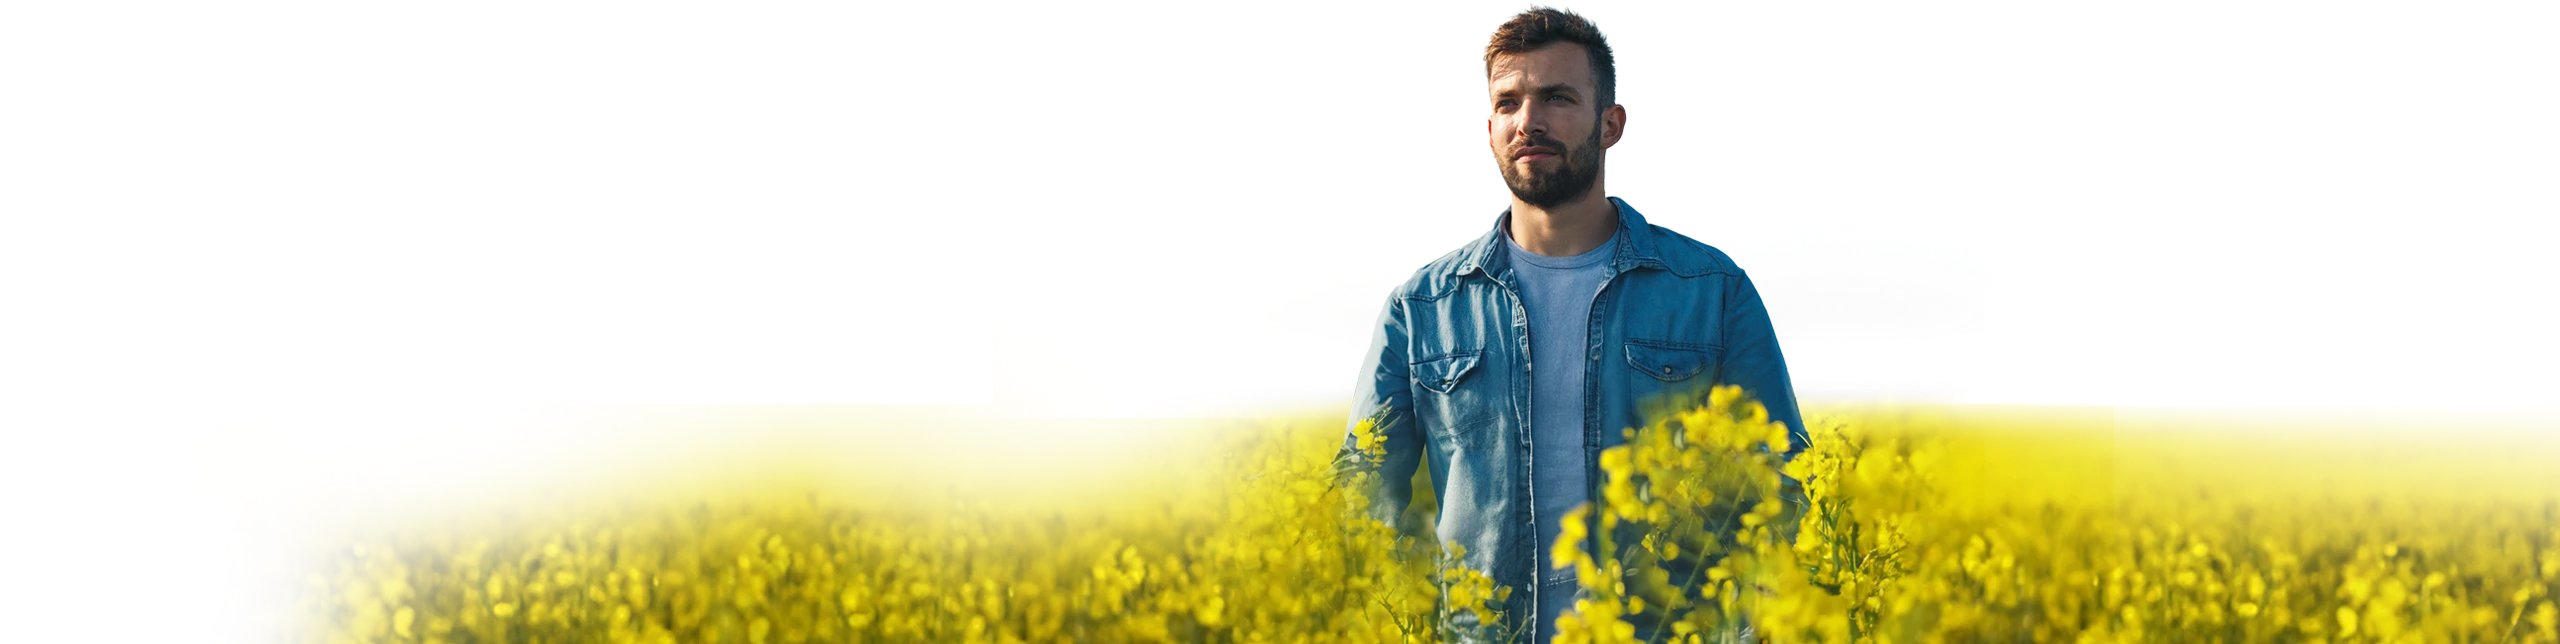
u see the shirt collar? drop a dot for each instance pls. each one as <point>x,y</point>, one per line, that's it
<point>1635,244</point>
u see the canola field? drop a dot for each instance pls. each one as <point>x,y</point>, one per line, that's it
<point>1915,524</point>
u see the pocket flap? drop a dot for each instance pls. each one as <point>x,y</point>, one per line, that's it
<point>1443,374</point>
<point>1668,362</point>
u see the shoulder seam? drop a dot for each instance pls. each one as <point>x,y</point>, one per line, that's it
<point>1711,260</point>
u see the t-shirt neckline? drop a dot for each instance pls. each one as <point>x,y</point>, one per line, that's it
<point>1587,258</point>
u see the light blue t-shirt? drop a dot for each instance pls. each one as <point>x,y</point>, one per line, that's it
<point>1558,293</point>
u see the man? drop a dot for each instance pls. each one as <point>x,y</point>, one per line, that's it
<point>1510,363</point>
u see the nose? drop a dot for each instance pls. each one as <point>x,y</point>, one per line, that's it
<point>1532,124</point>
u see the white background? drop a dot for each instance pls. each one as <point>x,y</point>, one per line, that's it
<point>264,264</point>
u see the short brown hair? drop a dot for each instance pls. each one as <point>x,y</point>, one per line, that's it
<point>1542,26</point>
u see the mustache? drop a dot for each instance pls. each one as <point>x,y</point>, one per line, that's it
<point>1539,142</point>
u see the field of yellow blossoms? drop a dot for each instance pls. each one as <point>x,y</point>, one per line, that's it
<point>1916,525</point>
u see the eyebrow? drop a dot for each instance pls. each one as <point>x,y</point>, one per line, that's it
<point>1545,89</point>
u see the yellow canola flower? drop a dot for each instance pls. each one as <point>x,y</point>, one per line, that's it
<point>1568,546</point>
<point>1910,527</point>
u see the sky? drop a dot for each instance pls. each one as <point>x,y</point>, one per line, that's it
<point>267,261</point>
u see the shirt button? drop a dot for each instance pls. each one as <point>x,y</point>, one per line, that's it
<point>1666,371</point>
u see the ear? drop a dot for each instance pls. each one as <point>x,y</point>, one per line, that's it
<point>1613,124</point>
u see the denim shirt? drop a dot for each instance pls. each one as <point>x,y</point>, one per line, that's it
<point>1449,366</point>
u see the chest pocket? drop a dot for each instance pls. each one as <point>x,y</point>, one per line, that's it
<point>1452,398</point>
<point>1669,361</point>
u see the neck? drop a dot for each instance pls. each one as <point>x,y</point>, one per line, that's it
<point>1568,229</point>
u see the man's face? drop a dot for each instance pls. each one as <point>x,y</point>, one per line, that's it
<point>1545,132</point>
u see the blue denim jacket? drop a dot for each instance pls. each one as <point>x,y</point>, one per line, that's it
<point>1449,367</point>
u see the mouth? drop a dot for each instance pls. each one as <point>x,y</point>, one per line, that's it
<point>1532,155</point>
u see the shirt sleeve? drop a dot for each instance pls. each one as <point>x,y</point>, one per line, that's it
<point>1384,395</point>
<point>1752,361</point>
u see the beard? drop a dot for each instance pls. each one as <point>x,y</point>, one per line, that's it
<point>1581,168</point>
